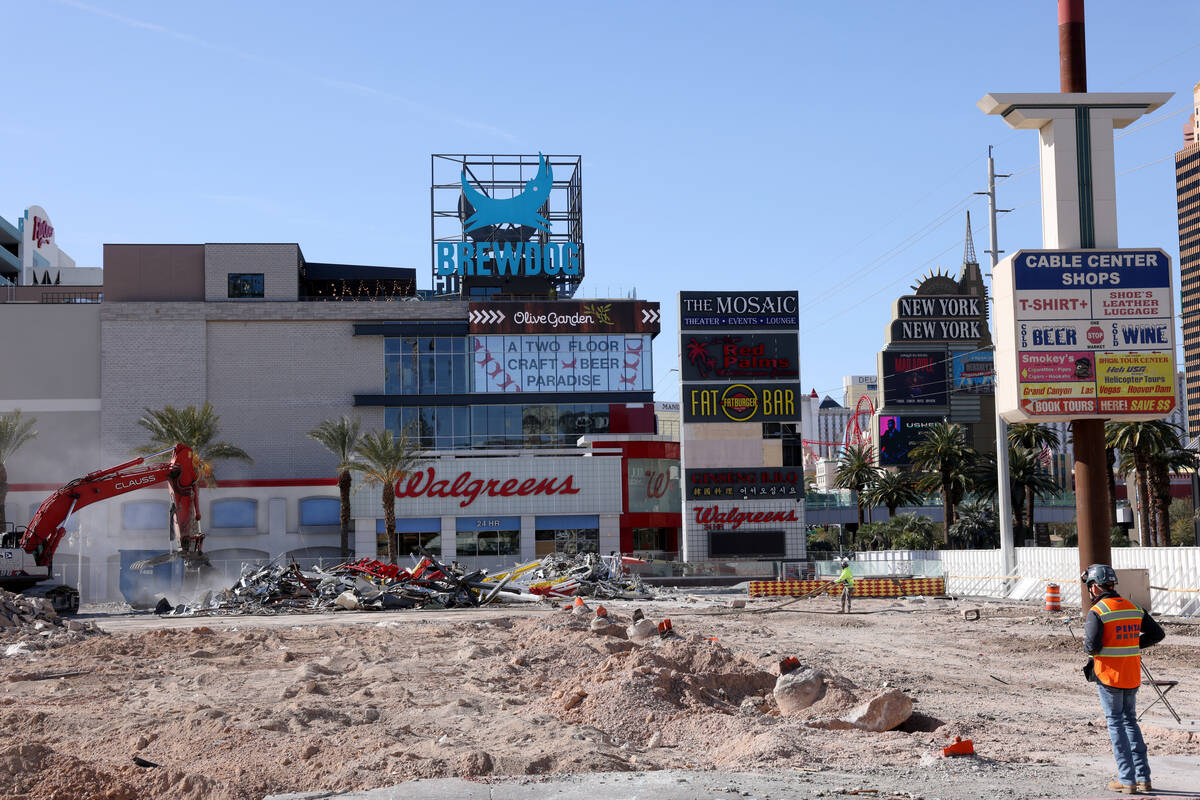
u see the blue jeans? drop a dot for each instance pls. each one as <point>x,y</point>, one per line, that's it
<point>1128,747</point>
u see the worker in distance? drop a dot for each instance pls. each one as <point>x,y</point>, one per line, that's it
<point>846,579</point>
<point>1115,632</point>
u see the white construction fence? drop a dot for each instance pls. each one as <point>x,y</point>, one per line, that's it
<point>1174,574</point>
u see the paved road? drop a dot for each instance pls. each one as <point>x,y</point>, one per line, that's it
<point>1175,778</point>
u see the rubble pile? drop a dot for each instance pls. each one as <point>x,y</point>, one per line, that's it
<point>364,584</point>
<point>30,623</point>
<point>583,575</point>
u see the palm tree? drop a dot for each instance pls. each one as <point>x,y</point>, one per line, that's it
<point>386,458</point>
<point>195,427</point>
<point>1037,439</point>
<point>892,489</point>
<point>15,431</point>
<point>341,437</point>
<point>1029,479</point>
<point>856,470</point>
<point>946,458</point>
<point>1161,467</point>
<point>975,526</point>
<point>1138,443</point>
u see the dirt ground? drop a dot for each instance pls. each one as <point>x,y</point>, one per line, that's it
<point>244,707</point>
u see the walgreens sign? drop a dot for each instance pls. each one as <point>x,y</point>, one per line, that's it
<point>712,517</point>
<point>466,488</point>
<point>518,485</point>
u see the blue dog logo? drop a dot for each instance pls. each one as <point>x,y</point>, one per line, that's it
<point>519,210</point>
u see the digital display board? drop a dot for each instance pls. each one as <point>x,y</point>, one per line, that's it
<point>914,378</point>
<point>565,316</point>
<point>898,435</point>
<point>752,482</point>
<point>569,363</point>
<point>974,373</point>
<point>745,356</point>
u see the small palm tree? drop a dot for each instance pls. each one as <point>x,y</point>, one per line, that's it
<point>1037,439</point>
<point>975,526</point>
<point>15,431</point>
<point>195,427</point>
<point>341,437</point>
<point>386,458</point>
<point>947,460</point>
<point>856,470</point>
<point>1161,467</point>
<point>892,489</point>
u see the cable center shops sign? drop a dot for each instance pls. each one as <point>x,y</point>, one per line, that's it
<point>1085,334</point>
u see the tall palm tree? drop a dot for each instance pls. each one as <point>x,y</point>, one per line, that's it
<point>1138,443</point>
<point>15,431</point>
<point>386,458</point>
<point>947,461</point>
<point>1161,467</point>
<point>1037,439</point>
<point>197,428</point>
<point>856,470</point>
<point>892,489</point>
<point>341,437</point>
<point>1029,479</point>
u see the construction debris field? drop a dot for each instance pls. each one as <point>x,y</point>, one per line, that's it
<point>229,707</point>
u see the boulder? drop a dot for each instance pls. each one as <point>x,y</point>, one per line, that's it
<point>642,631</point>
<point>799,689</point>
<point>347,600</point>
<point>883,712</point>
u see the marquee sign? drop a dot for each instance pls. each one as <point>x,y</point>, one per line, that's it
<point>916,306</point>
<point>573,363</point>
<point>1085,334</point>
<point>723,356</point>
<point>739,310</point>
<point>565,316</point>
<point>936,330</point>
<point>756,483</point>
<point>741,402</point>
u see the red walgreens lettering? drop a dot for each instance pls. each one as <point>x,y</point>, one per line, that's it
<point>734,518</point>
<point>426,483</point>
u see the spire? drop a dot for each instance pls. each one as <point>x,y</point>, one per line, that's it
<point>969,249</point>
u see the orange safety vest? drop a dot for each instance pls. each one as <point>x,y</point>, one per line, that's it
<point>1118,663</point>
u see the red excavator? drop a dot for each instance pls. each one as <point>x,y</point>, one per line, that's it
<point>26,554</point>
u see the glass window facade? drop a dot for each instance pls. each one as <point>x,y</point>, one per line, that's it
<point>246,284</point>
<point>487,536</point>
<point>426,365</point>
<point>499,426</point>
<point>144,516</point>
<point>567,535</point>
<point>320,511</point>
<point>238,513</point>
<point>410,532</point>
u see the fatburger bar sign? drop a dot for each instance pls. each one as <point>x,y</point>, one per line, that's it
<point>510,486</point>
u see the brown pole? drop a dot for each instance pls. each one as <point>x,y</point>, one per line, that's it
<point>1072,58</point>
<point>1092,518</point>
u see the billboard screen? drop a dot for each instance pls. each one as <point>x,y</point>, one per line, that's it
<point>974,373</point>
<point>898,435</point>
<point>573,363</point>
<point>745,356</point>
<point>749,483</point>
<point>914,378</point>
<point>565,316</point>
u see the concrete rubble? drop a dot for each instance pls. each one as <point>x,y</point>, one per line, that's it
<point>30,623</point>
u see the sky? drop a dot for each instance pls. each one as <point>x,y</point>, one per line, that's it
<point>831,148</point>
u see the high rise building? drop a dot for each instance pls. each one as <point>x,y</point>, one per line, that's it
<point>1187,193</point>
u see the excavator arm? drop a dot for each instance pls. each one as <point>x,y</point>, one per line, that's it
<point>46,530</point>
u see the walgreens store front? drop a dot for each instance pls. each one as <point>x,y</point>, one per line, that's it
<point>488,513</point>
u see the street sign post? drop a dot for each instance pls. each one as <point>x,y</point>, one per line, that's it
<point>1085,334</point>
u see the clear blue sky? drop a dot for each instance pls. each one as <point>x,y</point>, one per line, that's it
<point>827,147</point>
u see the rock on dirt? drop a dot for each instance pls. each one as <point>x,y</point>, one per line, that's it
<point>883,712</point>
<point>799,689</point>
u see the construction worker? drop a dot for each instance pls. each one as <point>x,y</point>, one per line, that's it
<point>846,579</point>
<point>1114,633</point>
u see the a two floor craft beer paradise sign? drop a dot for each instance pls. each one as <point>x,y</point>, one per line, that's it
<point>1085,334</point>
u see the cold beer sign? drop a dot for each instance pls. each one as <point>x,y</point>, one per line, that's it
<point>1085,334</point>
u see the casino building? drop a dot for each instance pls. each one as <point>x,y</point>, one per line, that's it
<point>533,410</point>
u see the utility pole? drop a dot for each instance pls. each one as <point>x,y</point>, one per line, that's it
<point>1091,466</point>
<point>1003,486</point>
